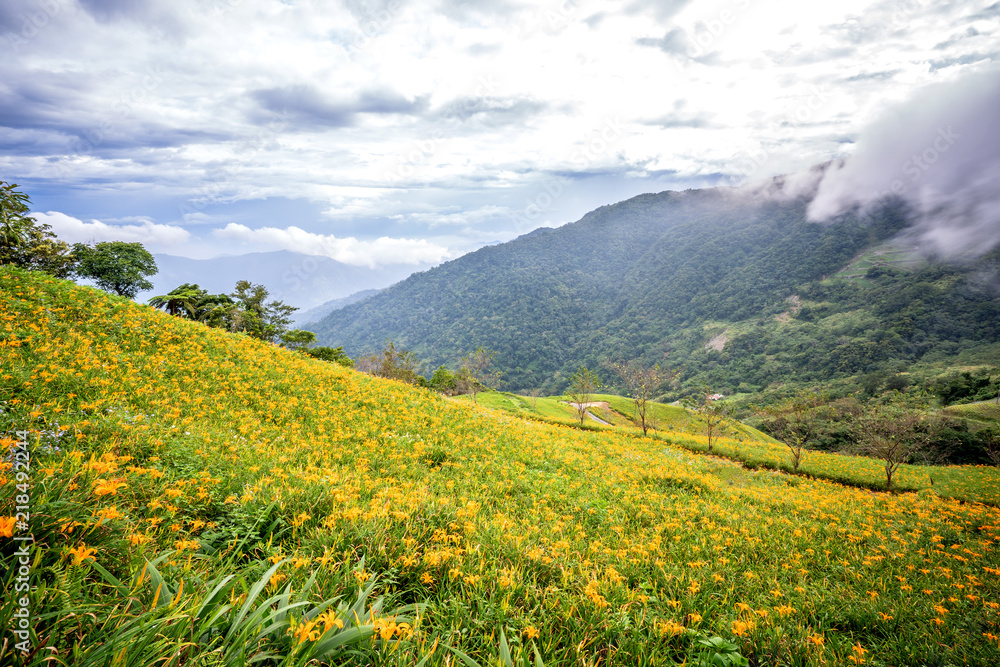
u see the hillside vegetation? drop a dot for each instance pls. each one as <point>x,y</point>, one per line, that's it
<point>735,291</point>
<point>203,498</point>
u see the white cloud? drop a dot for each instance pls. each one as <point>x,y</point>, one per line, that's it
<point>458,218</point>
<point>941,152</point>
<point>73,230</point>
<point>349,250</point>
<point>427,113</point>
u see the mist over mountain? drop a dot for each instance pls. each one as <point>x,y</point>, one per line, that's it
<point>738,287</point>
<point>940,152</point>
<point>304,281</point>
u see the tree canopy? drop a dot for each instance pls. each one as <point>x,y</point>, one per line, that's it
<point>25,242</point>
<point>116,266</point>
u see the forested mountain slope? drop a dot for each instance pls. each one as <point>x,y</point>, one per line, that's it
<point>667,273</point>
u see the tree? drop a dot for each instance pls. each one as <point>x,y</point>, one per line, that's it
<point>474,373</point>
<point>991,444</point>
<point>254,315</point>
<point>796,421</point>
<point>394,363</point>
<point>583,383</point>
<point>215,310</point>
<point>298,339</point>
<point>332,354</point>
<point>180,301</point>
<point>116,266</point>
<point>642,383</point>
<point>713,414</point>
<point>26,243</point>
<point>443,381</point>
<point>895,429</point>
<point>533,398</point>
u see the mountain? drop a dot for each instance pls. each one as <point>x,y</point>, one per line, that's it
<point>319,312</point>
<point>304,281</point>
<point>738,288</point>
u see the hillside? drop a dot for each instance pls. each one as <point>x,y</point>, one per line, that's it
<point>195,497</point>
<point>735,290</point>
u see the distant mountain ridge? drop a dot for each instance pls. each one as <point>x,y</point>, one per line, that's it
<point>304,281</point>
<point>319,312</point>
<point>667,273</point>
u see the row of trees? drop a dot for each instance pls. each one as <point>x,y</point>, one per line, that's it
<point>895,428</point>
<point>246,310</point>
<point>641,383</point>
<point>474,373</point>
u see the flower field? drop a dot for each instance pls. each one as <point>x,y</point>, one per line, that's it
<point>201,498</point>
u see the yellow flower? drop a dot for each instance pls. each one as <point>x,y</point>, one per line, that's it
<point>670,628</point>
<point>107,514</point>
<point>329,620</point>
<point>740,628</point>
<point>7,524</point>
<point>305,632</point>
<point>531,632</point>
<point>82,553</point>
<point>103,487</point>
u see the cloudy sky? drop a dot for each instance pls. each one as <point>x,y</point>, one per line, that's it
<point>411,131</point>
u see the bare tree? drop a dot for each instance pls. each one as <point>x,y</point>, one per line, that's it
<point>533,398</point>
<point>392,362</point>
<point>583,383</point>
<point>796,421</point>
<point>895,430</point>
<point>642,383</point>
<point>991,443</point>
<point>713,414</point>
<point>474,372</point>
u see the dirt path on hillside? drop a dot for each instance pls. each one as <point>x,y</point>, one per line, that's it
<point>593,404</point>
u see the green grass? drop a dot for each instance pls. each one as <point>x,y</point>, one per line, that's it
<point>757,450</point>
<point>620,413</point>
<point>886,254</point>
<point>984,414</point>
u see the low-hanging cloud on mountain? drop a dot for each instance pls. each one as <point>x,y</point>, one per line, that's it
<point>940,151</point>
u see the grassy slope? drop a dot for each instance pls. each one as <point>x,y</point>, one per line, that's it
<point>231,453</point>
<point>755,449</point>
<point>670,419</point>
<point>981,415</point>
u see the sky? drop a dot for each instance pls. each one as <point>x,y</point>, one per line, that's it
<point>410,132</point>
